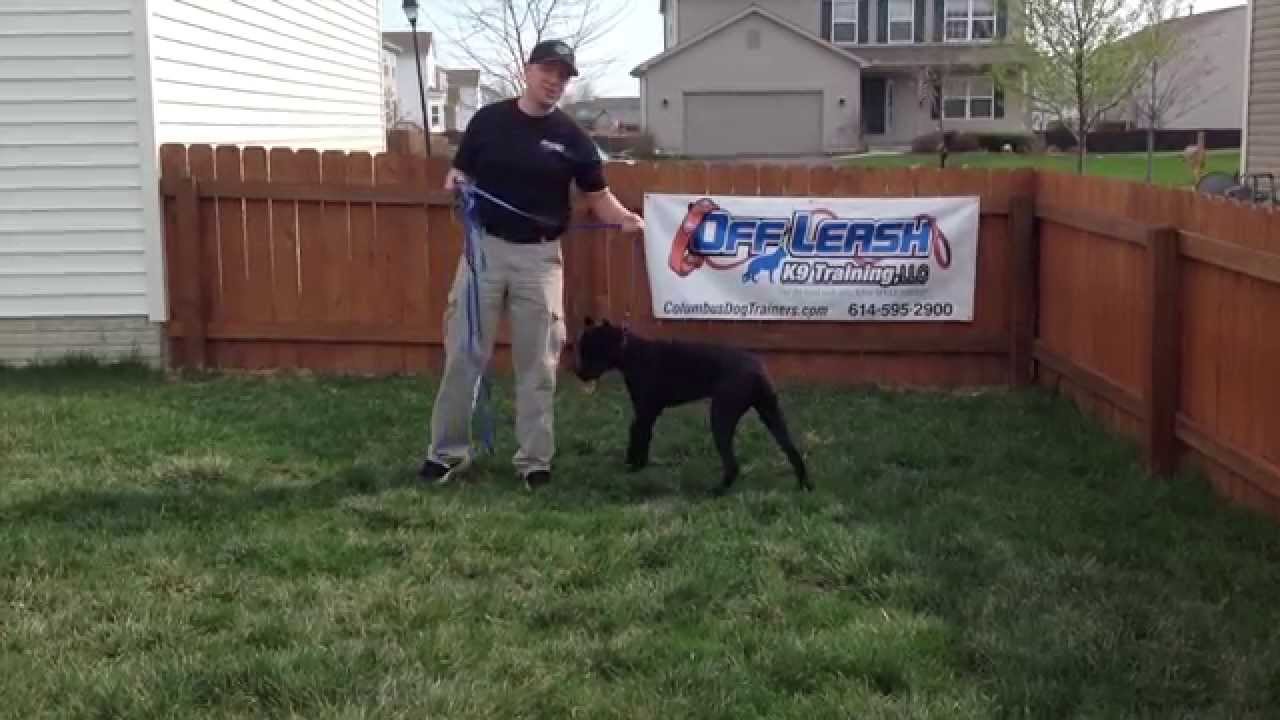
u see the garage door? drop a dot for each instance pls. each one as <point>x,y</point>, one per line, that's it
<point>774,123</point>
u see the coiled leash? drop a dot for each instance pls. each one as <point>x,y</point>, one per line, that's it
<point>472,228</point>
<point>474,256</point>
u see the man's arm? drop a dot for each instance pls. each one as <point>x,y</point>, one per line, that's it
<point>607,208</point>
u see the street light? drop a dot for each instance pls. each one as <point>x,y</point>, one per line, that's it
<point>411,12</point>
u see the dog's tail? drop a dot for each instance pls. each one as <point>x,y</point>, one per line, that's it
<point>770,412</point>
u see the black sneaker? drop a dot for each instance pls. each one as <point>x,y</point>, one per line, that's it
<point>434,471</point>
<point>537,479</point>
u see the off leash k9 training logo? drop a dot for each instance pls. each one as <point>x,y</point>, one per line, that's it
<point>752,257</point>
<point>810,247</point>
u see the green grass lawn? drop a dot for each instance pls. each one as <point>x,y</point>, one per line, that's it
<point>1167,168</point>
<point>257,547</point>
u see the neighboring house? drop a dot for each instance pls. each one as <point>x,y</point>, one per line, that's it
<point>435,83</point>
<point>88,93</point>
<point>1203,86</point>
<point>794,77</point>
<point>612,115</point>
<point>1261,147</point>
<point>466,95</point>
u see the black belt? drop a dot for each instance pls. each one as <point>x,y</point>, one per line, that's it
<point>522,238</point>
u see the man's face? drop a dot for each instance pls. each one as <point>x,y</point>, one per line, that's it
<point>546,82</point>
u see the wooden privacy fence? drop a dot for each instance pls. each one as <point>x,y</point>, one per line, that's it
<point>1156,309</point>
<point>1159,312</point>
<point>343,262</point>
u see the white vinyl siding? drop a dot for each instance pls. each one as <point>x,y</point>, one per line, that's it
<point>1263,145</point>
<point>73,229</point>
<point>268,72</point>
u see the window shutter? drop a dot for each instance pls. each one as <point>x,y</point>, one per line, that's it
<point>882,20</point>
<point>920,20</point>
<point>999,101</point>
<point>864,13</point>
<point>939,19</point>
<point>825,17</point>
<point>1002,18</point>
<point>935,102</point>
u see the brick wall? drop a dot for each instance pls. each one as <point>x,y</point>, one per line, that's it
<point>25,340</point>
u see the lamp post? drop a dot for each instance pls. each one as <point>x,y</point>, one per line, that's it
<point>411,12</point>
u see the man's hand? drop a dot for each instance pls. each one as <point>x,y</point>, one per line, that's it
<point>453,178</point>
<point>607,208</point>
<point>632,222</point>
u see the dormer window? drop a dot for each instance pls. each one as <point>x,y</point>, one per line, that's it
<point>970,20</point>
<point>844,21</point>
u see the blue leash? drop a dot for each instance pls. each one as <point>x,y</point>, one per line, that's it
<point>471,250</point>
<point>473,255</point>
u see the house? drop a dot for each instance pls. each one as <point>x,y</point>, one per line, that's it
<point>798,77</point>
<point>88,93</point>
<point>609,115</point>
<point>1202,87</point>
<point>1260,150</point>
<point>463,98</point>
<point>435,82</point>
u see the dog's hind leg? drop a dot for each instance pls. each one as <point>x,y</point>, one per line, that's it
<point>726,410</point>
<point>771,415</point>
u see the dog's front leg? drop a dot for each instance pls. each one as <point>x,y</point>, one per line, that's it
<point>641,434</point>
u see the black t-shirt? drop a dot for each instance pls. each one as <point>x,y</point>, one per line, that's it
<point>527,162</point>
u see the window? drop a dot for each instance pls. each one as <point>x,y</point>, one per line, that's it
<point>968,98</point>
<point>844,21</point>
<point>435,116</point>
<point>902,21</point>
<point>969,20</point>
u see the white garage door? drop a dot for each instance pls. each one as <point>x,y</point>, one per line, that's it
<point>773,123</point>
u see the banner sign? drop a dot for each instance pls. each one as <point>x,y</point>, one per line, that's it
<point>824,259</point>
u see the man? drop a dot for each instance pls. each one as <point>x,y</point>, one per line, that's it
<point>525,152</point>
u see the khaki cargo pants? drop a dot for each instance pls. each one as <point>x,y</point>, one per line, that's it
<point>527,280</point>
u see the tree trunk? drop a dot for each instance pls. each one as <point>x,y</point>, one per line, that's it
<point>1152,114</point>
<point>1151,146</point>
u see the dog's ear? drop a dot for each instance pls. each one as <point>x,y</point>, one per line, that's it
<point>588,322</point>
<point>605,323</point>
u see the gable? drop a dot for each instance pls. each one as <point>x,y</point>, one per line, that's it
<point>762,21</point>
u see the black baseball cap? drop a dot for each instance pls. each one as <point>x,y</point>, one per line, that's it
<point>554,51</point>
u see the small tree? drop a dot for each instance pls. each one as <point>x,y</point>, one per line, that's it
<point>932,78</point>
<point>1070,63</point>
<point>1170,84</point>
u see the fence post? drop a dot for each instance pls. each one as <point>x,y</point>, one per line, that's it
<point>1025,267</point>
<point>1162,361</point>
<point>193,310</point>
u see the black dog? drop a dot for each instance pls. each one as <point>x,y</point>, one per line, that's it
<point>664,373</point>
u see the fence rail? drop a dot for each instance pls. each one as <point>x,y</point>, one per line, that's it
<point>1150,307</point>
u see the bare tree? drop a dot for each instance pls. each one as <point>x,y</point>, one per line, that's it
<point>582,91</point>
<point>932,80</point>
<point>497,35</point>
<point>1170,87</point>
<point>1071,63</point>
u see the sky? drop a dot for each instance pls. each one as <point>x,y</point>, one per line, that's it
<point>638,36</point>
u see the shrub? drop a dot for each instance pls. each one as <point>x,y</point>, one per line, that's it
<point>956,142</point>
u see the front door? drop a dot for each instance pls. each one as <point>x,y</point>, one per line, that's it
<point>873,104</point>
